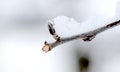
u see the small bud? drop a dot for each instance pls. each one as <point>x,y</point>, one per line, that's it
<point>89,38</point>
<point>51,29</point>
<point>52,32</point>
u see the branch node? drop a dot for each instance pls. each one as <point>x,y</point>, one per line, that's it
<point>89,38</point>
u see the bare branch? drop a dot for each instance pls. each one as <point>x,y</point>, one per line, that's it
<point>88,36</point>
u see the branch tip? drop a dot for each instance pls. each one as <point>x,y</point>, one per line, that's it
<point>51,29</point>
<point>53,32</point>
<point>46,48</point>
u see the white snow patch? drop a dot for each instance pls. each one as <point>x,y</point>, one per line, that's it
<point>66,27</point>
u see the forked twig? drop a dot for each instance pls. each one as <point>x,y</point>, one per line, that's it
<point>88,36</point>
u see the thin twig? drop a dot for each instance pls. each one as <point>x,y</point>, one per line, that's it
<point>88,36</point>
<point>53,32</point>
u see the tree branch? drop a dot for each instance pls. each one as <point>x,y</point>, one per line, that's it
<point>88,36</point>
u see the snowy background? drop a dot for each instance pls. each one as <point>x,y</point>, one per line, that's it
<point>23,30</point>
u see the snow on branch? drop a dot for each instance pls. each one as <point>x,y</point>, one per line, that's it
<point>87,36</point>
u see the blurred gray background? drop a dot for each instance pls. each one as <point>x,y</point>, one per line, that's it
<point>23,30</point>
